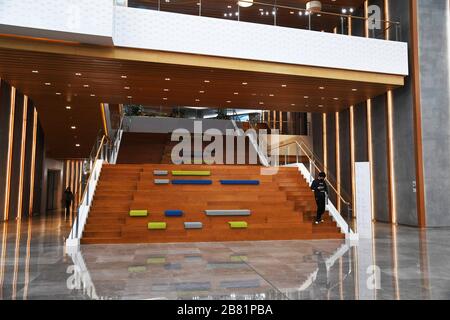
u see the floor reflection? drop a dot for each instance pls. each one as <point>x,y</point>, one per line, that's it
<point>401,263</point>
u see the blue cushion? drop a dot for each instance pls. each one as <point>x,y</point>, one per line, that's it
<point>174,213</point>
<point>240,182</point>
<point>202,182</point>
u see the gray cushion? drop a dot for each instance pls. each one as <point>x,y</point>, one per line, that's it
<point>193,225</point>
<point>238,212</point>
<point>162,181</point>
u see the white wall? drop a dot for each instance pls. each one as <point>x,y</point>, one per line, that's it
<point>149,29</point>
<point>87,21</point>
<point>167,125</point>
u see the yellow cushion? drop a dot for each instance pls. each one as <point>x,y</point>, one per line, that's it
<point>238,224</point>
<point>157,225</point>
<point>138,213</point>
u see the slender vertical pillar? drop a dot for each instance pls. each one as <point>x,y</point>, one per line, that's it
<point>33,162</point>
<point>10,153</point>
<point>338,162</point>
<point>22,157</point>
<point>369,119</point>
<point>325,149</point>
<point>352,153</point>
<point>390,157</point>
<point>370,151</point>
<point>421,211</point>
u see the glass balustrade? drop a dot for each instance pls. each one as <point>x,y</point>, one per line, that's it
<point>282,13</point>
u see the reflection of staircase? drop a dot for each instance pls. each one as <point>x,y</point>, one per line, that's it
<point>281,206</point>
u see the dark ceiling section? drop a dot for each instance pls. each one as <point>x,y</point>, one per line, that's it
<point>260,12</point>
<point>54,89</point>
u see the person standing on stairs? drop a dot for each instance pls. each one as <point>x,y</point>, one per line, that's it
<point>320,188</point>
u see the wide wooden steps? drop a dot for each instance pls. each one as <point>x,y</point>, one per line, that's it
<point>282,206</point>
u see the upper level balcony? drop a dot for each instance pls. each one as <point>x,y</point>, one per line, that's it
<point>287,32</point>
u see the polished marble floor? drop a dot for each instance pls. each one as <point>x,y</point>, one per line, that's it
<point>401,263</point>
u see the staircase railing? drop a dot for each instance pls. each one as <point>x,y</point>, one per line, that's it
<point>82,211</point>
<point>262,158</point>
<point>342,197</point>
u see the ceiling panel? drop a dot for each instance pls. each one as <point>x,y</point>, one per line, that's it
<point>85,82</point>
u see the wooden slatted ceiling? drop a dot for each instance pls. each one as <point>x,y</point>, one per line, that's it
<point>146,81</point>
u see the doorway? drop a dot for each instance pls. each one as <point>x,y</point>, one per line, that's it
<point>53,185</point>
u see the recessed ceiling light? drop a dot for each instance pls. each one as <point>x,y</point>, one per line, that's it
<point>126,88</point>
<point>354,90</point>
<point>320,105</point>
<point>271,95</point>
<point>322,88</point>
<point>236,93</point>
<point>73,127</point>
<point>166,90</point>
<point>336,99</point>
<point>228,101</point>
<point>164,98</point>
<point>48,84</point>
<point>78,74</point>
<point>86,86</point>
<point>284,85</point>
<point>77,145</point>
<point>261,103</point>
<point>293,104</point>
<point>68,107</point>
<point>306,97</point>
<point>35,71</point>
<point>92,95</point>
<point>201,91</point>
<point>58,93</point>
<point>197,100</point>
<point>167,79</point>
<point>123,77</point>
<point>130,97</point>
<point>245,83</point>
<point>207,81</point>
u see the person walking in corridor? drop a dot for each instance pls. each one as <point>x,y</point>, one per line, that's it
<point>320,188</point>
<point>68,199</point>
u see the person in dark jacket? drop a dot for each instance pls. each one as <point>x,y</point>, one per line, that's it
<point>68,199</point>
<point>320,188</point>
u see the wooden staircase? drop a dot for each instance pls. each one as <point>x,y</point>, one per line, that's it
<point>282,206</point>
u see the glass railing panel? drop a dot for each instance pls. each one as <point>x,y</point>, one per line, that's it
<point>258,13</point>
<point>223,9</point>
<point>147,4</point>
<point>278,13</point>
<point>191,7</point>
<point>292,18</point>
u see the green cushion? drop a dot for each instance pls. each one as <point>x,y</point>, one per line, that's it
<point>157,225</point>
<point>156,260</point>
<point>238,258</point>
<point>137,269</point>
<point>238,224</point>
<point>191,173</point>
<point>138,213</point>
